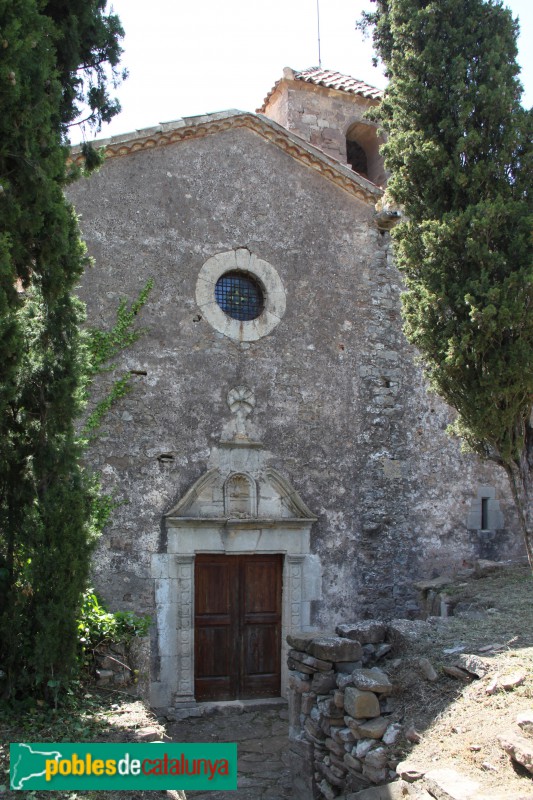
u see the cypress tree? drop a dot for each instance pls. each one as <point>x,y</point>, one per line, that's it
<point>56,59</point>
<point>459,148</point>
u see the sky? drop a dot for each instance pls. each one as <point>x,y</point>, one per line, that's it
<point>190,57</point>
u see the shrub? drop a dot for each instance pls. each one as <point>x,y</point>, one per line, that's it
<point>97,626</point>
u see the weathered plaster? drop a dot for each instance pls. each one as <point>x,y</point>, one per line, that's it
<point>339,402</point>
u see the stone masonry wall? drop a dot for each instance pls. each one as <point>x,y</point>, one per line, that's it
<point>124,666</point>
<point>342,727</point>
<point>320,116</point>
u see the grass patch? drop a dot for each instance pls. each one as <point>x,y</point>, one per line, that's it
<point>86,715</point>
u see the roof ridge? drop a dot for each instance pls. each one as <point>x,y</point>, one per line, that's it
<point>328,78</point>
<point>338,80</point>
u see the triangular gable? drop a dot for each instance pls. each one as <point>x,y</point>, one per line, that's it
<point>199,494</point>
<point>211,124</point>
<point>288,495</point>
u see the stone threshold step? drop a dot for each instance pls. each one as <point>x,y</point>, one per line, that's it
<point>225,707</point>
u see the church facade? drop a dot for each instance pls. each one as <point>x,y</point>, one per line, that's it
<point>278,463</point>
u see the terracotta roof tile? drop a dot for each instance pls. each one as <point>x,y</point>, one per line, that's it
<point>330,80</point>
<point>335,80</point>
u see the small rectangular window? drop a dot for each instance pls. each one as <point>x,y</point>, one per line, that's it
<point>484,513</point>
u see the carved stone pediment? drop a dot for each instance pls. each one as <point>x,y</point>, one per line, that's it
<point>240,485</point>
<point>231,494</point>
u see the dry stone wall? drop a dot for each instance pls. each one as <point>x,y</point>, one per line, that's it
<point>124,666</point>
<point>112,665</point>
<point>342,725</point>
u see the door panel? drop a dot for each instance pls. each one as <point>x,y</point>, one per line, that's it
<point>215,596</point>
<point>260,584</point>
<point>237,626</point>
<point>261,626</point>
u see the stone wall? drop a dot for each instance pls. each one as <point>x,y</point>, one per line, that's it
<point>124,666</point>
<point>343,729</point>
<point>339,402</point>
<point>340,405</point>
<point>324,117</point>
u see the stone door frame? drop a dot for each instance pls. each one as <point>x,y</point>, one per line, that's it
<point>173,574</point>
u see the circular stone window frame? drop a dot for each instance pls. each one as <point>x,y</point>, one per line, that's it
<point>274,297</point>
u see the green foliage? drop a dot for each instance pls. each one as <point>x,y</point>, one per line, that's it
<point>119,389</point>
<point>81,716</point>
<point>459,147</point>
<point>459,150</point>
<point>103,346</point>
<point>87,52</point>
<point>51,56</point>
<point>93,158</point>
<point>96,625</point>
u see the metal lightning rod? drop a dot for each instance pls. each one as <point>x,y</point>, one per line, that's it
<point>318,28</point>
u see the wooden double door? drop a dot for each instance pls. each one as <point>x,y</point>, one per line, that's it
<point>237,626</point>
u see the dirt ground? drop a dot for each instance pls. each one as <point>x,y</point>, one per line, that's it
<point>107,717</point>
<point>459,720</point>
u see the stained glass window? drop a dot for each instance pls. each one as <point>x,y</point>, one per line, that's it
<point>239,296</point>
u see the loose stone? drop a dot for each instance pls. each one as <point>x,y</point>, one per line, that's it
<point>313,729</point>
<point>344,735</point>
<point>372,680</point>
<point>323,682</point>
<point>310,661</point>
<point>338,698</point>
<point>382,650</point>
<point>352,762</point>
<point>473,664</point>
<point>427,669</point>
<point>363,747</point>
<point>512,680</point>
<point>524,720</point>
<point>457,672</point>
<point>300,641</point>
<point>344,680</point>
<point>409,772</point>
<point>328,708</point>
<point>450,784</point>
<point>361,704</point>
<point>308,701</point>
<point>373,728</point>
<point>299,682</point>
<point>298,666</point>
<point>367,632</point>
<point>519,748</point>
<point>392,733</point>
<point>335,648</point>
<point>334,746</point>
